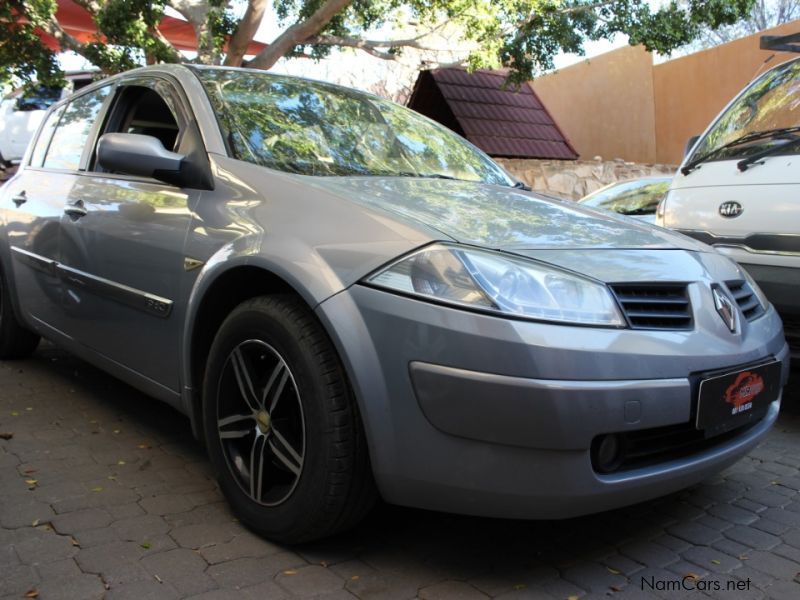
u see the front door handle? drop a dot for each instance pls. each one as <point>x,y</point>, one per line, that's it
<point>75,210</point>
<point>20,199</point>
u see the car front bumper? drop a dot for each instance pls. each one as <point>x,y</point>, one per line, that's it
<point>490,416</point>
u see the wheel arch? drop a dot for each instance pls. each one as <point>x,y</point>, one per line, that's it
<point>217,291</point>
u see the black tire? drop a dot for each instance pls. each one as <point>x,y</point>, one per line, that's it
<point>15,340</point>
<point>333,489</point>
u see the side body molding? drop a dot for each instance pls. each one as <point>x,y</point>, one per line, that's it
<point>138,299</point>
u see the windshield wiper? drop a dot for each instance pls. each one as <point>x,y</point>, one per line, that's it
<point>521,185</point>
<point>749,137</point>
<point>755,159</point>
<point>647,210</point>
<point>423,175</point>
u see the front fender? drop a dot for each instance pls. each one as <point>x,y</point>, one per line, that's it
<point>296,266</point>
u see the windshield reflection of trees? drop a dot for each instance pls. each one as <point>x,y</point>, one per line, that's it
<point>317,129</point>
<point>771,103</point>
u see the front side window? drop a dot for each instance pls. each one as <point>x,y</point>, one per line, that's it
<point>73,130</point>
<point>145,112</point>
<point>772,103</point>
<point>37,156</point>
<point>314,128</point>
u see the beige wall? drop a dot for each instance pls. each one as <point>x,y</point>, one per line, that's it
<point>605,105</point>
<point>618,105</point>
<point>690,91</point>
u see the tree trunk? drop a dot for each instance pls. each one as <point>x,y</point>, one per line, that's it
<point>244,32</point>
<point>298,33</point>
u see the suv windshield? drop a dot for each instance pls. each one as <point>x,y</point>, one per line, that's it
<point>314,128</point>
<point>771,104</point>
<point>37,98</point>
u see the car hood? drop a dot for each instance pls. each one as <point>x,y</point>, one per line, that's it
<point>502,217</point>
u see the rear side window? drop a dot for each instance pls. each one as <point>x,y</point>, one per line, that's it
<point>70,136</point>
<point>37,156</point>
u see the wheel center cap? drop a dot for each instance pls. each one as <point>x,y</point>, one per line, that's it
<point>263,421</point>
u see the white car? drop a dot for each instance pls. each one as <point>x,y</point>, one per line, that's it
<point>22,110</point>
<point>738,190</point>
<point>635,198</point>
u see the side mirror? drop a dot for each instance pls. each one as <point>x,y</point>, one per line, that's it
<point>690,144</point>
<point>136,154</point>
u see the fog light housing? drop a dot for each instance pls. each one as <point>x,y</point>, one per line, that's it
<point>607,453</point>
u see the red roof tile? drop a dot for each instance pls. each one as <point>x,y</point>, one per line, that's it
<point>501,122</point>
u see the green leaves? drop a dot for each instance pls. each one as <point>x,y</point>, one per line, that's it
<point>22,53</point>
<point>522,35</point>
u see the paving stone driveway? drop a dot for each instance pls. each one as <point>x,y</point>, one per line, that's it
<point>104,493</point>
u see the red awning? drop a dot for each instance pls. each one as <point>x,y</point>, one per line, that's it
<point>79,24</point>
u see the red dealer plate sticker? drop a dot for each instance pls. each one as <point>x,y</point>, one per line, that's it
<point>729,401</point>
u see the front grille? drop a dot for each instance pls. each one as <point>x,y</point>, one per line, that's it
<point>655,305</point>
<point>648,447</point>
<point>746,299</point>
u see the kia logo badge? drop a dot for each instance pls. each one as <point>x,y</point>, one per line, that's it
<point>730,209</point>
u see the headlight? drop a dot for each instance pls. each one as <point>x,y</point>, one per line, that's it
<point>496,282</point>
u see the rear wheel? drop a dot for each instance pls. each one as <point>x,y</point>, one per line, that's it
<point>15,340</point>
<point>282,426</point>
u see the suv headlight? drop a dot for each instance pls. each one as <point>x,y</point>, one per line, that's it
<point>498,283</point>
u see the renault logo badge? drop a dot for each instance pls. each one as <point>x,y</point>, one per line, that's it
<point>725,308</point>
<point>729,210</point>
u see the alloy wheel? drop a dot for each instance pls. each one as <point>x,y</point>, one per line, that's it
<point>260,422</point>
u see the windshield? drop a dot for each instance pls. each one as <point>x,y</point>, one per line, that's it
<point>771,103</point>
<point>637,197</point>
<point>312,128</point>
<point>37,98</point>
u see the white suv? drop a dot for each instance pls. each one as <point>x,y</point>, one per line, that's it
<point>738,189</point>
<point>22,110</point>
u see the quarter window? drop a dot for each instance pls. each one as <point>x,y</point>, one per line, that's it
<point>44,137</point>
<point>70,136</point>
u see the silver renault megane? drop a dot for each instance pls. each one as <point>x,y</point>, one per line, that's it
<point>350,301</point>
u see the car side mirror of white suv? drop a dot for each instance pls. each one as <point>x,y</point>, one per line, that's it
<point>690,144</point>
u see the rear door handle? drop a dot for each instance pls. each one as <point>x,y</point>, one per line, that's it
<point>75,210</point>
<point>20,199</point>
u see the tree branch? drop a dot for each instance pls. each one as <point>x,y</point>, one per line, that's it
<point>197,13</point>
<point>65,40</point>
<point>367,45</point>
<point>174,54</point>
<point>432,64</point>
<point>237,47</point>
<point>364,45</point>
<point>298,33</point>
<point>93,7</point>
<point>585,7</point>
